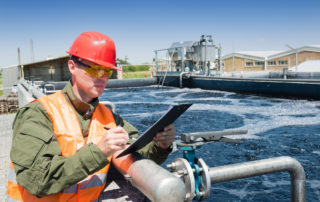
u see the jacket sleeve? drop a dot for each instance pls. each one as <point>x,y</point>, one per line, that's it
<point>36,155</point>
<point>151,150</point>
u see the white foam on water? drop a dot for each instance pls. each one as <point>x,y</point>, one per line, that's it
<point>259,115</point>
<point>277,183</point>
<point>118,94</point>
<point>143,115</point>
<point>278,112</point>
<point>243,193</point>
<point>316,152</point>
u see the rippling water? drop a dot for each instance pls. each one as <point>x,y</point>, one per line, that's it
<point>276,127</point>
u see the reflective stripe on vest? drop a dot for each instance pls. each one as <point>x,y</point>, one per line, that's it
<point>68,131</point>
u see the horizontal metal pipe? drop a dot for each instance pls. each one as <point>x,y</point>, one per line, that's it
<point>124,83</point>
<point>265,166</point>
<point>211,135</point>
<point>152,180</point>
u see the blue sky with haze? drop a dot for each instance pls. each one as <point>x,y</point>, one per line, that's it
<point>140,27</point>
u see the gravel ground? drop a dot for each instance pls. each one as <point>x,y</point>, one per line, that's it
<point>5,144</point>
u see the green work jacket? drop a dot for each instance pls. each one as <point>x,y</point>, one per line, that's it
<point>36,154</point>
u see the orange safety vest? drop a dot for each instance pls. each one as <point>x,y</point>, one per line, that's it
<point>67,128</point>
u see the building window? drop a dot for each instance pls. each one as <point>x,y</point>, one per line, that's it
<point>249,64</point>
<point>272,63</point>
<point>222,64</point>
<point>283,62</point>
<point>259,63</point>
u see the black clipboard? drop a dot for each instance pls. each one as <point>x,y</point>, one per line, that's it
<point>172,114</point>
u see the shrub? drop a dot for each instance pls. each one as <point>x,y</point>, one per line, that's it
<point>136,68</point>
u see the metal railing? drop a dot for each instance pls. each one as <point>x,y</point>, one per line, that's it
<point>261,167</point>
<point>198,177</point>
<point>183,74</point>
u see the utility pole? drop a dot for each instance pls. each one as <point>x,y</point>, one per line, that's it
<point>126,65</point>
<point>232,56</point>
<point>31,50</point>
<point>19,62</point>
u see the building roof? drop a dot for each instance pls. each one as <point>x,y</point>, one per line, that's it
<point>263,54</point>
<point>9,66</point>
<point>253,55</point>
<point>308,66</point>
<point>317,46</point>
<point>182,44</point>
<point>313,48</point>
<point>267,55</point>
<point>37,62</point>
<point>46,60</point>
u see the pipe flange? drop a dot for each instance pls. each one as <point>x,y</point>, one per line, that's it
<point>183,169</point>
<point>205,186</point>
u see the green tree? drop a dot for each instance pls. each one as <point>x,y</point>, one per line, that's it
<point>122,62</point>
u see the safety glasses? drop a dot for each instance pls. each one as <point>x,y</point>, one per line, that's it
<point>96,71</point>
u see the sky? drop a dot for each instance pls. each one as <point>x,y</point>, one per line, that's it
<point>140,27</point>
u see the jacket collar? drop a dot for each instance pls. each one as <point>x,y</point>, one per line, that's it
<point>85,109</point>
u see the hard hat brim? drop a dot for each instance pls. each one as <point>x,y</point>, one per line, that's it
<point>98,62</point>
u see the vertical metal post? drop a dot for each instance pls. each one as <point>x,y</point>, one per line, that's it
<point>265,63</point>
<point>232,57</point>
<point>232,62</point>
<point>205,56</point>
<point>19,56</point>
<point>182,58</point>
<point>220,60</point>
<point>31,50</point>
<point>285,72</point>
<point>296,51</point>
<point>156,60</point>
<point>22,72</point>
<point>297,60</point>
<point>125,65</point>
<point>290,62</point>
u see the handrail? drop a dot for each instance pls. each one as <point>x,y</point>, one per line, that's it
<point>34,90</point>
<point>181,75</point>
<point>261,167</point>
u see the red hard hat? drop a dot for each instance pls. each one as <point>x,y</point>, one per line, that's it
<point>95,47</point>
